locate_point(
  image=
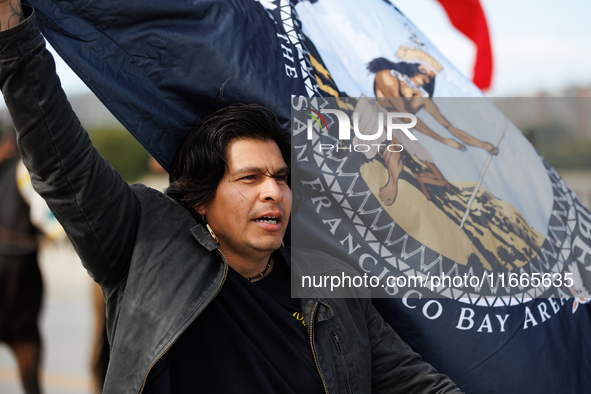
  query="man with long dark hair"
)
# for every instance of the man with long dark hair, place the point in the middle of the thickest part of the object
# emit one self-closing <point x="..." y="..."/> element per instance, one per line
<point x="197" y="282"/>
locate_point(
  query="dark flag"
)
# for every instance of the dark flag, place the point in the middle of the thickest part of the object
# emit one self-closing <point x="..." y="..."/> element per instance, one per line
<point x="161" y="65"/>
<point x="470" y="196"/>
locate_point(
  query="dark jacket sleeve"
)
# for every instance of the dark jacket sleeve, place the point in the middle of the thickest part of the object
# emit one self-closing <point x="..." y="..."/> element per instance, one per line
<point x="402" y="370"/>
<point x="97" y="209"/>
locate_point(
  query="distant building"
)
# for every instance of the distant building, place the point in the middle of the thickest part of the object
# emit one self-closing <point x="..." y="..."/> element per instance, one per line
<point x="570" y="109"/>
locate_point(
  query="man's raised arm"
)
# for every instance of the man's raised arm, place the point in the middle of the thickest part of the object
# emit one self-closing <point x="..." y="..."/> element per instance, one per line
<point x="11" y="14"/>
<point x="95" y="206"/>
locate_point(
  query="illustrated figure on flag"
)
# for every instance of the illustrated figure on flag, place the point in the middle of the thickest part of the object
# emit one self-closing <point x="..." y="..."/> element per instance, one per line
<point x="400" y="87"/>
<point x="451" y="198"/>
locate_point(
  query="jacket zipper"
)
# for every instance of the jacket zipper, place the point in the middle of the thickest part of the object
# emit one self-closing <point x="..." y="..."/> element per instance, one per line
<point x="168" y="348"/>
<point x="312" y="314"/>
<point x="338" y="343"/>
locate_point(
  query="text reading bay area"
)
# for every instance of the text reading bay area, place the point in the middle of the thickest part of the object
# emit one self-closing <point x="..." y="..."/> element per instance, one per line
<point x="366" y="137"/>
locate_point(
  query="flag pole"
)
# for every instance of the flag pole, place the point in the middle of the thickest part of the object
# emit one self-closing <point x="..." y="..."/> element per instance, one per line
<point x="477" y="187"/>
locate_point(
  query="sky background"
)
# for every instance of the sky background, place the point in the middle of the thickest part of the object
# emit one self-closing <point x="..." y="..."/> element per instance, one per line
<point x="538" y="45"/>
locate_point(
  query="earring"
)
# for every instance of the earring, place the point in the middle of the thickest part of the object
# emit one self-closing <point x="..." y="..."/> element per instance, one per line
<point x="209" y="229"/>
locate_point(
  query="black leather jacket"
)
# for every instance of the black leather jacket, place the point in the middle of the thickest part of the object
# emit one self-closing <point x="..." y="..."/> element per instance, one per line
<point x="157" y="266"/>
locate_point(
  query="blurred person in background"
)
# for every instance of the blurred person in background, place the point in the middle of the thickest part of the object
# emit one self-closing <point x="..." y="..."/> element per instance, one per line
<point x="21" y="287"/>
<point x="22" y="215"/>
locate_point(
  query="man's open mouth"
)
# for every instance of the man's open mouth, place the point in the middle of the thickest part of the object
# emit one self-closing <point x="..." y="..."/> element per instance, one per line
<point x="268" y="219"/>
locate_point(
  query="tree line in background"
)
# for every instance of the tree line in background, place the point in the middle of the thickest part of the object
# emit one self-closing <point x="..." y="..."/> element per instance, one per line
<point x="561" y="147"/>
<point x="123" y="151"/>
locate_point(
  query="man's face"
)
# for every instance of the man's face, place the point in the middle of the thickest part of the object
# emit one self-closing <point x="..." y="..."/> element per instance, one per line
<point x="250" y="210"/>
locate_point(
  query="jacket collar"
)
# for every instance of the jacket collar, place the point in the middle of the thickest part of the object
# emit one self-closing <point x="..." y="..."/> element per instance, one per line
<point x="204" y="238"/>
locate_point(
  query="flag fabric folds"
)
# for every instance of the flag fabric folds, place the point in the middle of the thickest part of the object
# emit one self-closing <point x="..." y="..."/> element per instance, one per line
<point x="160" y="66"/>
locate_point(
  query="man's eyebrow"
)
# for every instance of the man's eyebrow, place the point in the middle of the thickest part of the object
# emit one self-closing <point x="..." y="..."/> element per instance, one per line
<point x="252" y="170"/>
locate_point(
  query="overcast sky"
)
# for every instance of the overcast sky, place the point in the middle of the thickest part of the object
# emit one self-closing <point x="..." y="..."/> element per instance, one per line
<point x="537" y="44"/>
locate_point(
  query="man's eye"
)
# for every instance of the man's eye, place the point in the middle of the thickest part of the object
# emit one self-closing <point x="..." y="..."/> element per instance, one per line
<point x="249" y="177"/>
<point x="281" y="178"/>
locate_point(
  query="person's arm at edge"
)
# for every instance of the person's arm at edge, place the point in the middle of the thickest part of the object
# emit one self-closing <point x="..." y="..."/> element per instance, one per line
<point x="11" y="14"/>
<point x="95" y="206"/>
<point x="402" y="370"/>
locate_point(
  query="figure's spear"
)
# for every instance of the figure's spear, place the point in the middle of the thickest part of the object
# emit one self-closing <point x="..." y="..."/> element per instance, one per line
<point x="477" y="187"/>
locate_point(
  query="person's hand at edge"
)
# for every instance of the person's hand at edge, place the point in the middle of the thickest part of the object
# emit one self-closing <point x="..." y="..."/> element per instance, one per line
<point x="11" y="14"/>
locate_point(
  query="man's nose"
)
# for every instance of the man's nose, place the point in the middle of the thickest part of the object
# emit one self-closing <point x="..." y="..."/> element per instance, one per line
<point x="271" y="190"/>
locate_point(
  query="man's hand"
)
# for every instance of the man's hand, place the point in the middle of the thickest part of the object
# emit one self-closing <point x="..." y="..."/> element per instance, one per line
<point x="11" y="14"/>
